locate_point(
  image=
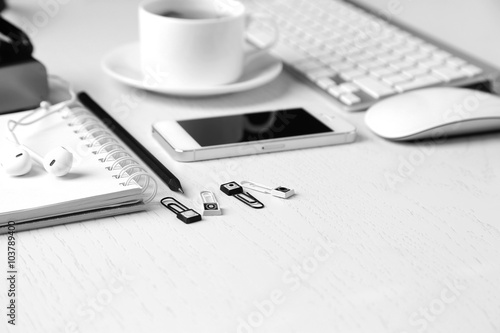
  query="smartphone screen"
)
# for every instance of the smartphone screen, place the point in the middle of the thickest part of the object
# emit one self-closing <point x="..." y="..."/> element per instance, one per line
<point x="253" y="127"/>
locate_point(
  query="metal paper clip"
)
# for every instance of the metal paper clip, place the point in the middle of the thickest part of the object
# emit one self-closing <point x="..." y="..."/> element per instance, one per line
<point x="280" y="191"/>
<point x="210" y="205"/>
<point x="183" y="213"/>
<point x="235" y="190"/>
<point x="249" y="200"/>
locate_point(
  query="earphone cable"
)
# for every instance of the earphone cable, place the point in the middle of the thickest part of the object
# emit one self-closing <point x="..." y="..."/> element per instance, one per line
<point x="12" y="124"/>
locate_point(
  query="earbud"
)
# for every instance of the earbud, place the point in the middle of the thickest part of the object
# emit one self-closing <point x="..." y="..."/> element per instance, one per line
<point x="57" y="162"/>
<point x="16" y="162"/>
<point x="19" y="160"/>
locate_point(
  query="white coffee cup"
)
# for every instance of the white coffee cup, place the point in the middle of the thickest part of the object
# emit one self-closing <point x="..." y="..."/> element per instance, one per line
<point x="203" y="47"/>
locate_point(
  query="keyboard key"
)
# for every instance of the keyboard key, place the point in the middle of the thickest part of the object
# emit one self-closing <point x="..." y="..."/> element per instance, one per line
<point x="417" y="56"/>
<point x="388" y="58"/>
<point x="349" y="99"/>
<point x="335" y="91"/>
<point x="373" y="87"/>
<point x="455" y="62"/>
<point x="349" y="51"/>
<point x="288" y="54"/>
<point x="305" y="44"/>
<point x="348" y="87"/>
<point x="404" y="50"/>
<point x="394" y="79"/>
<point x="289" y="41"/>
<point x="325" y="83"/>
<point x="427" y="48"/>
<point x="471" y="70"/>
<point x="384" y="71"/>
<point x="260" y="37"/>
<point x="351" y="74"/>
<point x="414" y="41"/>
<point x="302" y="36"/>
<point x="319" y="51"/>
<point x="439" y="54"/>
<point x="307" y="65"/>
<point x="364" y="44"/>
<point x="359" y="57"/>
<point x="392" y="43"/>
<point x="415" y="71"/>
<point x="419" y="82"/>
<point x="377" y="51"/>
<point x="402" y="65"/>
<point x="449" y="73"/>
<point x="319" y="73"/>
<point x="371" y="64"/>
<point x="342" y="66"/>
<point x="430" y="63"/>
<point x="330" y="58"/>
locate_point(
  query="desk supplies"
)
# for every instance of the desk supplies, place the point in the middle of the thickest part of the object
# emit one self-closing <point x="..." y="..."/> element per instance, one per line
<point x="104" y="180"/>
<point x="58" y="161"/>
<point x="357" y="66"/>
<point x="249" y="200"/>
<point x="434" y="113"/>
<point x="280" y="191"/>
<point x="233" y="189"/>
<point x="251" y="133"/>
<point x="158" y="168"/>
<point x="210" y="205"/>
<point x="186" y="215"/>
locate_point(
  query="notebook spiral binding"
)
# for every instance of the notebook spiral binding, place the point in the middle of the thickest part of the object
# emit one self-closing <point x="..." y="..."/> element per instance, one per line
<point x="102" y="143"/>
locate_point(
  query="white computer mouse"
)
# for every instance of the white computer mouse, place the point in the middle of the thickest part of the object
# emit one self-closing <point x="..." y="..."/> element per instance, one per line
<point x="434" y="113"/>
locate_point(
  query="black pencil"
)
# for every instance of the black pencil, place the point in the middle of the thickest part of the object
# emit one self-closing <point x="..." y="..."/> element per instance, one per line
<point x="155" y="165"/>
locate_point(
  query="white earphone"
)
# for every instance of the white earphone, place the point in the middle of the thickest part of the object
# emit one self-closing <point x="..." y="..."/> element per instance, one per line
<point x="19" y="161"/>
<point x="16" y="162"/>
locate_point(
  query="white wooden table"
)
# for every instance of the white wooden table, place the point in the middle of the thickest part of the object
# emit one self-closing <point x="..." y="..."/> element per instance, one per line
<point x="382" y="237"/>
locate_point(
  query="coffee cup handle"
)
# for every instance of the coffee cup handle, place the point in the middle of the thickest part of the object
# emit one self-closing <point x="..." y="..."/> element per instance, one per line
<point x="252" y="55"/>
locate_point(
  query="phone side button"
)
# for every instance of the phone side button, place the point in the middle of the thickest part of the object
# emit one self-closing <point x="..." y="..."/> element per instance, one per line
<point x="274" y="147"/>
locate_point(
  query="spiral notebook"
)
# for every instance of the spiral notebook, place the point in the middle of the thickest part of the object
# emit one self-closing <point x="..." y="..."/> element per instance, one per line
<point x="105" y="178"/>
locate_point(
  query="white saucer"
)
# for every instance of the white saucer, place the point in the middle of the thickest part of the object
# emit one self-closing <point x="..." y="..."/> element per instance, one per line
<point x="123" y="64"/>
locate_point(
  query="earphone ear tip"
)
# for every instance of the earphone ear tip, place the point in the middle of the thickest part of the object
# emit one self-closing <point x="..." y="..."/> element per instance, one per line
<point x="58" y="161"/>
<point x="17" y="163"/>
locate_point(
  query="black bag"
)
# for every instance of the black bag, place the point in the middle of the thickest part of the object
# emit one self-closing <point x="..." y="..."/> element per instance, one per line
<point x="23" y="79"/>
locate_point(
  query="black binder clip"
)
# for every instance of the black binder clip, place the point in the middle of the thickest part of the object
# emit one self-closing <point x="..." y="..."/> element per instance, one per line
<point x="183" y="213"/>
<point x="233" y="189"/>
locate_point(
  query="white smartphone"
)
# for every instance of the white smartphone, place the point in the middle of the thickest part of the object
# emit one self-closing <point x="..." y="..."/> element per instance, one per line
<point x="250" y="133"/>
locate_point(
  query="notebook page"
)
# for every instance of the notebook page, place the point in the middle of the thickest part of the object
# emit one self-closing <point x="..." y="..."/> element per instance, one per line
<point x="39" y="194"/>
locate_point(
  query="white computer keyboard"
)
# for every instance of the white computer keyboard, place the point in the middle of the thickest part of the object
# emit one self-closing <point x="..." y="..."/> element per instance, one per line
<point x="354" y="56"/>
